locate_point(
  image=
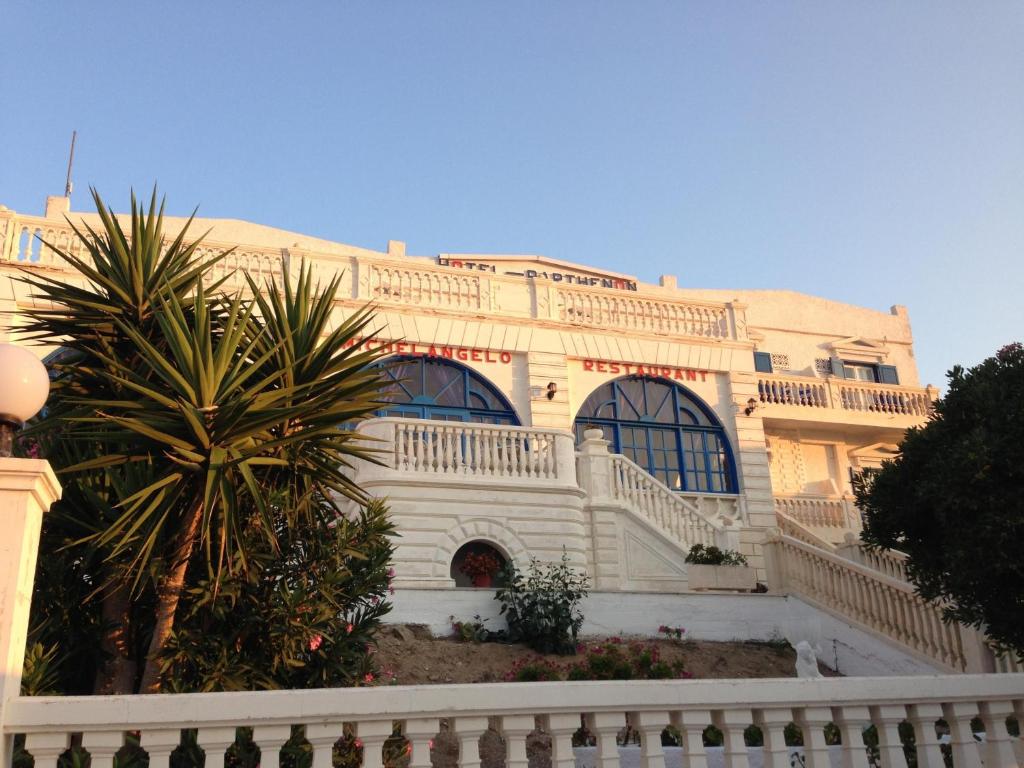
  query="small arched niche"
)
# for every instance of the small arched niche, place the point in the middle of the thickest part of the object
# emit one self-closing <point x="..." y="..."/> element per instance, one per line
<point x="478" y="564"/>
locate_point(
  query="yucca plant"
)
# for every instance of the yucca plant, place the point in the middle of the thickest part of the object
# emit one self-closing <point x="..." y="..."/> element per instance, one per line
<point x="196" y="407"/>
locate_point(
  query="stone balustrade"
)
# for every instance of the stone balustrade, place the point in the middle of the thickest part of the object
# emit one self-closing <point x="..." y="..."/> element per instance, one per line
<point x="417" y="282"/>
<point x="688" y="518"/>
<point x="869" y="598"/>
<point x="820" y="511"/>
<point x="806" y="393"/>
<point x="888" y="561"/>
<point x="447" y="450"/>
<point x="535" y="723"/>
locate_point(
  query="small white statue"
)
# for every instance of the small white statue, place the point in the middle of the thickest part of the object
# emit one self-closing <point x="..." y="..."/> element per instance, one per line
<point x="806" y="661"/>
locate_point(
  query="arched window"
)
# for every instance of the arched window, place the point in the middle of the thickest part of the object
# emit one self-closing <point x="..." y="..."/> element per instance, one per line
<point x="665" y="429"/>
<point x="435" y="388"/>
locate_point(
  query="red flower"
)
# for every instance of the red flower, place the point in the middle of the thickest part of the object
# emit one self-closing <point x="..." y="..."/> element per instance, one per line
<point x="368" y="678"/>
<point x="315" y="642"/>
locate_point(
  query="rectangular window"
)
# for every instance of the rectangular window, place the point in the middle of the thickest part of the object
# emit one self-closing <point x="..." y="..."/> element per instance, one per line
<point x="763" y="362"/>
<point x="887" y="374"/>
<point x="860" y="371"/>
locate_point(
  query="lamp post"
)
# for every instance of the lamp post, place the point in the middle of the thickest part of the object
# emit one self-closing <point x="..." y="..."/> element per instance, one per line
<point x="24" y="386"/>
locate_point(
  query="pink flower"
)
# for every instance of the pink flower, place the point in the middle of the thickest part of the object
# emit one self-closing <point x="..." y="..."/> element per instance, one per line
<point x="349" y="628"/>
<point x="391" y="573"/>
<point x="358" y="743"/>
<point x="368" y="678"/>
<point x="315" y="642"/>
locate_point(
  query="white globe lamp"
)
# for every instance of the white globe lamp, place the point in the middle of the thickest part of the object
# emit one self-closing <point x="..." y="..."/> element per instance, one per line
<point x="24" y="386"/>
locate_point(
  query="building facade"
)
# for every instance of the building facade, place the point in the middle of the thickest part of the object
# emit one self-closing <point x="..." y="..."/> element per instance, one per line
<point x="539" y="406"/>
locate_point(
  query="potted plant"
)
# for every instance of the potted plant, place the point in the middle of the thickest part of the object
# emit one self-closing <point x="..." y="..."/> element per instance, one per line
<point x="714" y="568"/>
<point x="480" y="567"/>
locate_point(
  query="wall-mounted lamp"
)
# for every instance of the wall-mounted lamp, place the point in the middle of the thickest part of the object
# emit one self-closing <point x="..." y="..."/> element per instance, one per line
<point x="751" y="406"/>
<point x="24" y="386"/>
<point x="552" y="389"/>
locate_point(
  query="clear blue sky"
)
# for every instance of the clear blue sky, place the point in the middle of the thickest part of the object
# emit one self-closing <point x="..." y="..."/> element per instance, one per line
<point x="870" y="152"/>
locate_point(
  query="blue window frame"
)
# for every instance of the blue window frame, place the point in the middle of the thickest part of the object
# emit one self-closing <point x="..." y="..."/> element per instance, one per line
<point x="421" y="387"/>
<point x="665" y="429"/>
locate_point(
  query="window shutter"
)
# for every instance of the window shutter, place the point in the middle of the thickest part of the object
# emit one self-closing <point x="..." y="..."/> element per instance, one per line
<point x="837" y="368"/>
<point x="887" y="374"/>
<point x="763" y="362"/>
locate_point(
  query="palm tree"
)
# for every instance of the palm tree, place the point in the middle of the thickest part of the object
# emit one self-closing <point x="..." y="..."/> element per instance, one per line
<point x="195" y="406"/>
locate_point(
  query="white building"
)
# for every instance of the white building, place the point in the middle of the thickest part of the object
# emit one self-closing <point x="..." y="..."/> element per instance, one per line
<point x="541" y="407"/>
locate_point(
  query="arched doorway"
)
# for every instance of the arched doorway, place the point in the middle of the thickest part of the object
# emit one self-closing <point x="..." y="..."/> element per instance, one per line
<point x="422" y="387"/>
<point x="478" y="564"/>
<point x="665" y="429"/>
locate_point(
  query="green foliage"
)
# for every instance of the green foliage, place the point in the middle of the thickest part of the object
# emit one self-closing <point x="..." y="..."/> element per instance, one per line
<point x="701" y="555"/>
<point x="471" y="631"/>
<point x="616" y="660"/>
<point x="301" y="617"/>
<point x="542" y="605"/>
<point x="193" y="431"/>
<point x="533" y="670"/>
<point x="952" y="499"/>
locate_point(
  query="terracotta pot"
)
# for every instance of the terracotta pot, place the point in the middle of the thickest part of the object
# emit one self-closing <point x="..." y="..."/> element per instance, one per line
<point x="483" y="580"/>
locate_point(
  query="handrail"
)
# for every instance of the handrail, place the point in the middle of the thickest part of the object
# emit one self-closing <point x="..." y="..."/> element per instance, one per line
<point x="845" y="394"/>
<point x="868" y="597"/>
<point x="820" y="511"/>
<point x="656" y="502"/>
<point x="511" y="709"/>
<point x="793" y="527"/>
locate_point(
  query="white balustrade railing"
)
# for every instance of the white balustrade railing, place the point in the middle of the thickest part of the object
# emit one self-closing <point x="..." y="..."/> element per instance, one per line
<point x="820" y="511"/>
<point x="617" y="309"/>
<point x="449" y="450"/>
<point x="845" y="395"/>
<point x="536" y="723"/>
<point x="867" y="597"/>
<point x="419" y="283"/>
<point x="798" y="530"/>
<point x="687" y="518"/>
<point x="430" y="287"/>
<point x="890" y="562"/>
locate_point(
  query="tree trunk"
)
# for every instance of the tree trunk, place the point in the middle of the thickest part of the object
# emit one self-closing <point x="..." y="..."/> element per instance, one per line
<point x="117" y="674"/>
<point x="168" y="594"/>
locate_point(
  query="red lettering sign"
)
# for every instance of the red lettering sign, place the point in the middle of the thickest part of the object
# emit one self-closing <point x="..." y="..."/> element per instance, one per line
<point x="668" y="372"/>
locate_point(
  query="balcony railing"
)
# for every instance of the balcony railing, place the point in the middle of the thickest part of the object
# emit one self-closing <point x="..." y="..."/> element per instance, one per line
<point x="844" y="395"/>
<point x="820" y="512"/>
<point x="418" y="283"/>
<point x="448" y="451"/>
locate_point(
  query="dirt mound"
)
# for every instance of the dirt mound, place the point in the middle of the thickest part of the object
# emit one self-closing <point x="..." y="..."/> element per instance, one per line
<point x="410" y="655"/>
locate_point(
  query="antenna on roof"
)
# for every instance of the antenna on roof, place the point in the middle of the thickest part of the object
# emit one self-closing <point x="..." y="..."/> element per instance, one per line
<point x="71" y="159"/>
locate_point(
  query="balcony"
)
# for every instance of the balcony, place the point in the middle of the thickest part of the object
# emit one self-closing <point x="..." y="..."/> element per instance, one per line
<point x="843" y="401"/>
<point x="420" y="284"/>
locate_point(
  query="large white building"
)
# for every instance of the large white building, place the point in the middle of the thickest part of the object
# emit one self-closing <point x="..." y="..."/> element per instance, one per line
<point x="542" y="405"/>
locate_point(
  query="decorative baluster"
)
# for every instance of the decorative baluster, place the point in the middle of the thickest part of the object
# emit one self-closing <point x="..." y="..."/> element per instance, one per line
<point x="158" y="743"/>
<point x="812" y="721"/>
<point x="270" y="739"/>
<point x="561" y="726"/>
<point x="515" y="729"/>
<point x="851" y="722"/>
<point x="373" y="734"/>
<point x="650" y="725"/>
<point x="961" y="737"/>
<point x="495" y="464"/>
<point x="732" y="723"/>
<point x="923" y="717"/>
<point x="772" y="723"/>
<point x="214" y="742"/>
<point x="469" y="730"/>
<point x="450" y="437"/>
<point x="458" y="461"/>
<point x="887" y="721"/>
<point x="606" y="726"/>
<point x="46" y="748"/>
<point x="420" y="732"/>
<point x="692" y="723"/>
<point x="322" y="737"/>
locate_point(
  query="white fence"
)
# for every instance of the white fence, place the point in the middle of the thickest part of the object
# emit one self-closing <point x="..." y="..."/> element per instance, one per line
<point x="516" y="710"/>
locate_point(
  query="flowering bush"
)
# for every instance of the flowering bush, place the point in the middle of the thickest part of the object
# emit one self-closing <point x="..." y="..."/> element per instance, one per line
<point x="533" y="670"/>
<point x="470" y="631"/>
<point x="615" y="660"/>
<point x="476" y="564"/>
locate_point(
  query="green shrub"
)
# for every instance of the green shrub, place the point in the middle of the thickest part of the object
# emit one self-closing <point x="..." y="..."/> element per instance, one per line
<point x="542" y="605"/>
<point x="701" y="555"/>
